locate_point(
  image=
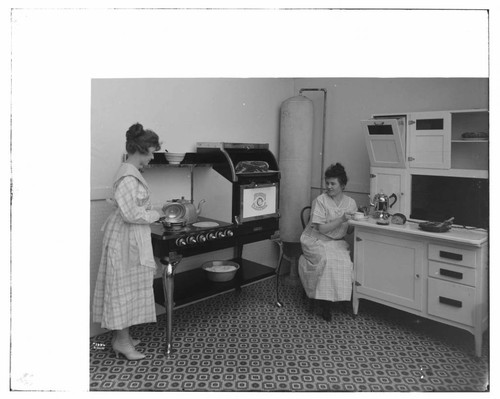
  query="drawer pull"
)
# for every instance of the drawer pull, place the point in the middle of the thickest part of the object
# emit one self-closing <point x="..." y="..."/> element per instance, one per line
<point x="450" y="255"/>
<point x="451" y="273"/>
<point x="451" y="302"/>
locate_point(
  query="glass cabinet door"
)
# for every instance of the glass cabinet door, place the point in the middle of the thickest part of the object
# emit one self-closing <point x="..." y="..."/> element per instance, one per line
<point x="384" y="142"/>
<point x="429" y="140"/>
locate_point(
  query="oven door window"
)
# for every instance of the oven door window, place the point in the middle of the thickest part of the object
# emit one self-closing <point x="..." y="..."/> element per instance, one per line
<point x="259" y="201"/>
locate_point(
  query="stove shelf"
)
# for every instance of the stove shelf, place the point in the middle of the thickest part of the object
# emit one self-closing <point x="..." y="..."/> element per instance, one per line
<point x="193" y="286"/>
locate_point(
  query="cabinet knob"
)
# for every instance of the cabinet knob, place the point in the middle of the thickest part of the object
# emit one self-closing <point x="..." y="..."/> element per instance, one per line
<point x="411" y="159"/>
<point x="417" y="276"/>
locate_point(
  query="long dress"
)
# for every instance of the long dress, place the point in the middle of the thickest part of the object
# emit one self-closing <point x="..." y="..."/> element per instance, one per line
<point x="325" y="268"/>
<point x="123" y="293"/>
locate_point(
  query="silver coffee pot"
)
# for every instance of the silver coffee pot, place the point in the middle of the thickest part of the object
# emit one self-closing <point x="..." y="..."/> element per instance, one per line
<point x="381" y="204"/>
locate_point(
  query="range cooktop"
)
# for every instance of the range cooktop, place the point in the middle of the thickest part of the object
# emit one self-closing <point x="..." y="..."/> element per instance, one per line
<point x="205" y="229"/>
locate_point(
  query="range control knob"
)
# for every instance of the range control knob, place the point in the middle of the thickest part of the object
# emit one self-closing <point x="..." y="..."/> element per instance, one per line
<point x="201" y="238"/>
<point x="221" y="234"/>
<point x="229" y="233"/>
<point x="180" y="242"/>
<point x="191" y="240"/>
<point x="211" y="236"/>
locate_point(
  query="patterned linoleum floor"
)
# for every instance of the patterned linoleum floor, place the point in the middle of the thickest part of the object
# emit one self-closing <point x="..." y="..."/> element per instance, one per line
<point x="243" y="342"/>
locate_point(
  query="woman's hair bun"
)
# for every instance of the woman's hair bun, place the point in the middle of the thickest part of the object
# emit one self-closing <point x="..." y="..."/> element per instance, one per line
<point x="141" y="140"/>
<point x="134" y="131"/>
<point x="338" y="168"/>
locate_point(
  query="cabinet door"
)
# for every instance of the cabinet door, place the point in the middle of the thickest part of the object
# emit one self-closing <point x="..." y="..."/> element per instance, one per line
<point x="389" y="268"/>
<point x="390" y="181"/>
<point x="429" y="140"/>
<point x="384" y="142"/>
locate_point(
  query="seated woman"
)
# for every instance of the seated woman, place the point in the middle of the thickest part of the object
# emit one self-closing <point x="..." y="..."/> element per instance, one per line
<point x="325" y="269"/>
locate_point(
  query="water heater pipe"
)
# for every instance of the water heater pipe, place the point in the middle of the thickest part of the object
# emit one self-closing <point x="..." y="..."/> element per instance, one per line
<point x="324" y="130"/>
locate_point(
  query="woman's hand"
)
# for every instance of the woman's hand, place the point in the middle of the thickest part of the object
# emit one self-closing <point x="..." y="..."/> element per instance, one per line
<point x="348" y="216"/>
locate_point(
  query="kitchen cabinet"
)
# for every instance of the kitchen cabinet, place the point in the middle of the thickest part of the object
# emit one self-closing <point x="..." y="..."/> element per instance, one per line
<point x="428" y="140"/>
<point x="385" y="139"/>
<point x="390" y="269"/>
<point x="390" y="181"/>
<point x="403" y="145"/>
<point x="438" y="276"/>
<point x="469" y="154"/>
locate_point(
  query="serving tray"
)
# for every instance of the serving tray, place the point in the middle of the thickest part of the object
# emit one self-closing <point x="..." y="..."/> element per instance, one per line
<point x="434" y="227"/>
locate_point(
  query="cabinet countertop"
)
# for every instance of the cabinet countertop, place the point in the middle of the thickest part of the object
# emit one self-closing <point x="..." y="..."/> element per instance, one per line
<point x="455" y="234"/>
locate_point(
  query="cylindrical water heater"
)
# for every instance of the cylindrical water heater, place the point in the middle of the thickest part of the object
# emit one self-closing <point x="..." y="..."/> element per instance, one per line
<point x="295" y="161"/>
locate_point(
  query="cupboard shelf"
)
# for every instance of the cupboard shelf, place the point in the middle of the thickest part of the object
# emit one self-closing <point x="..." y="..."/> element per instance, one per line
<point x="470" y="141"/>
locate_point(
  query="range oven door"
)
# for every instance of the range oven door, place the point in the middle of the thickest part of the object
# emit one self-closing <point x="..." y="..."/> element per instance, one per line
<point x="257" y="202"/>
<point x="385" y="141"/>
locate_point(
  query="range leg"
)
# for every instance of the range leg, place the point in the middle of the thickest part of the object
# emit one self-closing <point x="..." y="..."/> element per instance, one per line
<point x="168" y="292"/>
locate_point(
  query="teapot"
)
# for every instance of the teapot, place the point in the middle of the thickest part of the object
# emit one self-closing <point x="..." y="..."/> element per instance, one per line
<point x="381" y="204"/>
<point x="182" y="209"/>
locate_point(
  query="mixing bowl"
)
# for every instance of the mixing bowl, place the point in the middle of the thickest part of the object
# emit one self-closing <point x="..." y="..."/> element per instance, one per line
<point x="175" y="158"/>
<point x="220" y="270"/>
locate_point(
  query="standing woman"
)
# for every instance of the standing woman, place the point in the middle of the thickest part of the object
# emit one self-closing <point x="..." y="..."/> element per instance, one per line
<point x="325" y="268"/>
<point x="124" y="288"/>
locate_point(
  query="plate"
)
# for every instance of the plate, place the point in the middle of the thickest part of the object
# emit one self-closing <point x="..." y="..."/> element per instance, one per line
<point x="205" y="224"/>
<point x="474" y="138"/>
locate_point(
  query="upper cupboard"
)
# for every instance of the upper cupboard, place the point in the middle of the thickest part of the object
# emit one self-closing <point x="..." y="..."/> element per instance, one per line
<point x="453" y="143"/>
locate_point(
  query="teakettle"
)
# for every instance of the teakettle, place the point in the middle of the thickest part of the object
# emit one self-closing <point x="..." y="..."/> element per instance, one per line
<point x="182" y="208"/>
<point x="381" y="204"/>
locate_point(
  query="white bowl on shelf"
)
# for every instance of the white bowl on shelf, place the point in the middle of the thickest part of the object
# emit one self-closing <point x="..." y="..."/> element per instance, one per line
<point x="174" y="158"/>
<point x="220" y="270"/>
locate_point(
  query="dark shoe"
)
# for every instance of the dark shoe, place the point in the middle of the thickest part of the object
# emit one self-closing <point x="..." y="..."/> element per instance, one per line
<point x="326" y="310"/>
<point x="326" y="315"/>
<point x="346" y="307"/>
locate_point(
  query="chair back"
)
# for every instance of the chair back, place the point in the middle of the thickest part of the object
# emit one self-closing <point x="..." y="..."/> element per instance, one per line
<point x="305" y="215"/>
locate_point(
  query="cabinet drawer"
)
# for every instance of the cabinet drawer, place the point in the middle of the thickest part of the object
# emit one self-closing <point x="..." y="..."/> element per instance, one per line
<point x="455" y="274"/>
<point x="458" y="256"/>
<point x="451" y="301"/>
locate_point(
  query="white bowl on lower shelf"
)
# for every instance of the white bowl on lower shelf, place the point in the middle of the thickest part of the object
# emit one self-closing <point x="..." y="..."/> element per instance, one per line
<point x="220" y="270"/>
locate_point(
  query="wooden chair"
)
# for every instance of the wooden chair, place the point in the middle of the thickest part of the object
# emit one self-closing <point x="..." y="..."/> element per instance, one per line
<point x="305" y="211"/>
